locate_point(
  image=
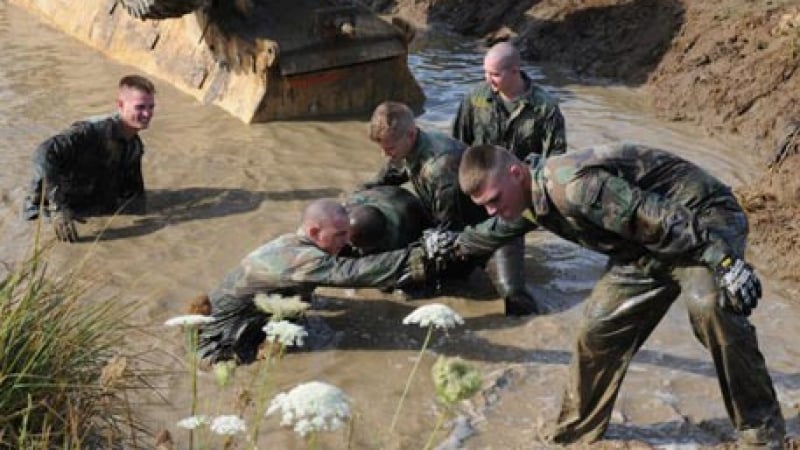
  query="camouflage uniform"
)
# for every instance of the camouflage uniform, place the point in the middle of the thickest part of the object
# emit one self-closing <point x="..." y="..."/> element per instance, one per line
<point x="405" y="215"/>
<point x="535" y="126"/>
<point x="90" y="167"/>
<point x="664" y="222"/>
<point x="288" y="265"/>
<point x="432" y="168"/>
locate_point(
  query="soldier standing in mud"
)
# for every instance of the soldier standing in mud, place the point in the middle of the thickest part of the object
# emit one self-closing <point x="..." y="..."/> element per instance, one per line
<point x="294" y="265"/>
<point x="385" y="218"/>
<point x="508" y="109"/>
<point x="668" y="228"/>
<point x="95" y="166"/>
<point x="430" y="161"/>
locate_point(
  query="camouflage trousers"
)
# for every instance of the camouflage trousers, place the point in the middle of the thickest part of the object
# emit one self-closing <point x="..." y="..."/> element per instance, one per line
<point x="624" y="308"/>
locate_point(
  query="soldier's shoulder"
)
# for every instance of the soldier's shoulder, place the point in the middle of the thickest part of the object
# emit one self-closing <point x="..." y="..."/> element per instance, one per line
<point x="479" y="95"/>
<point x="541" y="97"/>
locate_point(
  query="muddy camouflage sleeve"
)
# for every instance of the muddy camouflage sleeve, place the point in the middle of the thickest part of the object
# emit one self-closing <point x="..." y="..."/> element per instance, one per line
<point x="54" y="158"/>
<point x="554" y="136"/>
<point x="483" y="239"/>
<point x="309" y="266"/>
<point x="389" y="175"/>
<point x="463" y="123"/>
<point x="669" y="230"/>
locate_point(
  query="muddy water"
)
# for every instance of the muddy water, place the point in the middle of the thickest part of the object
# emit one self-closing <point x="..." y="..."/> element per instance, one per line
<point x="218" y="188"/>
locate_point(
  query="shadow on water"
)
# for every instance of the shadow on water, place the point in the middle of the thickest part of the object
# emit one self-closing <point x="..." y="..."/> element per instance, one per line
<point x="373" y="324"/>
<point x="173" y="206"/>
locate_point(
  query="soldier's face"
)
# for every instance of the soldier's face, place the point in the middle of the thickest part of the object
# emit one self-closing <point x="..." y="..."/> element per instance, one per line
<point x="503" y="194"/>
<point x="499" y="76"/>
<point x="332" y="236"/>
<point x="135" y="108"/>
<point x="396" y="149"/>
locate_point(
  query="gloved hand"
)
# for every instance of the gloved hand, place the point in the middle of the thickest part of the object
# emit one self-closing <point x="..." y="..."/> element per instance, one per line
<point x="64" y="225"/>
<point x="740" y="283"/>
<point x="440" y="246"/>
<point x="415" y="269"/>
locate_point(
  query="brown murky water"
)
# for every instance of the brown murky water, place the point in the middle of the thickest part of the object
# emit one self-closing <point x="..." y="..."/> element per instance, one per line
<point x="218" y="188"/>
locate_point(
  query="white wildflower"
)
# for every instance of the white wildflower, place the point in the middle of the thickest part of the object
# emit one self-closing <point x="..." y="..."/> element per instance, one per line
<point x="189" y="320"/>
<point x="228" y="425"/>
<point x="192" y="422"/>
<point x="313" y="406"/>
<point x="281" y="307"/>
<point x="286" y="333"/>
<point x="436" y="314"/>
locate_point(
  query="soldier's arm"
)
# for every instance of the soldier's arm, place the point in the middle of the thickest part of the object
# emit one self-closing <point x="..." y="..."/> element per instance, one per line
<point x="381" y="269"/>
<point x="389" y="175"/>
<point x="54" y="158"/>
<point x="446" y="201"/>
<point x="666" y="228"/>
<point x="554" y="135"/>
<point x="132" y="194"/>
<point x="462" y="128"/>
<point x="483" y="239"/>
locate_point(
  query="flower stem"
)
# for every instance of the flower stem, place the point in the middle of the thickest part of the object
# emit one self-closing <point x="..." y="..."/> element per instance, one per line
<point x="261" y="399"/>
<point x="410" y="378"/>
<point x="193" y="338"/>
<point x="439" y="422"/>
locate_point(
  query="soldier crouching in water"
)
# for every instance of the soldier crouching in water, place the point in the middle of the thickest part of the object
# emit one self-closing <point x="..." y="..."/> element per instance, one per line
<point x="295" y="264"/>
<point x="669" y="228"/>
<point x="95" y="166"/>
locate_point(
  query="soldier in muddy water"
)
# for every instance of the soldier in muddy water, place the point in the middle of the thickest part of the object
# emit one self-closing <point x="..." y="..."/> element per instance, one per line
<point x="295" y="264"/>
<point x="95" y="166"/>
<point x="508" y="109"/>
<point x="429" y="160"/>
<point x="669" y="228"/>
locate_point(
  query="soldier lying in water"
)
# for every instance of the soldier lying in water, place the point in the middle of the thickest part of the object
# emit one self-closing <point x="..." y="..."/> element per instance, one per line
<point x="295" y="264"/>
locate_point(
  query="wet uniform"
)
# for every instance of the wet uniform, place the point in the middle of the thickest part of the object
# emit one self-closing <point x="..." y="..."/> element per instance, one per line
<point x="405" y="215"/>
<point x="432" y="168"/>
<point x="89" y="168"/>
<point x="531" y="124"/>
<point x="289" y="265"/>
<point x="664" y="222"/>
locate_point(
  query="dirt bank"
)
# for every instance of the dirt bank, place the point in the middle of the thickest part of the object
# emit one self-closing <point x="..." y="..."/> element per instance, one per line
<point x="729" y="66"/>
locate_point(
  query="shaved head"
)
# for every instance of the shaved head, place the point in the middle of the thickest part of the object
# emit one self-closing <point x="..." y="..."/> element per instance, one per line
<point x="322" y="211"/>
<point x="504" y="55"/>
<point x="325" y="222"/>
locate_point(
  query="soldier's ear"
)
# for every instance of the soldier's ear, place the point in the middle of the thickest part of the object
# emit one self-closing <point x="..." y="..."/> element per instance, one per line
<point x="515" y="172"/>
<point x="314" y="232"/>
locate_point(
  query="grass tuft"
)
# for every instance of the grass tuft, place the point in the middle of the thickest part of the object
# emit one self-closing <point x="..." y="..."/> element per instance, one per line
<point x="63" y="380"/>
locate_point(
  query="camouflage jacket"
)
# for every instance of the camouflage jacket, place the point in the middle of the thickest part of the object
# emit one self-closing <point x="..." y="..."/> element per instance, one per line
<point x="90" y="165"/>
<point x="628" y="201"/>
<point x="432" y="168"/>
<point x="292" y="265"/>
<point x="406" y="217"/>
<point x="535" y="126"/>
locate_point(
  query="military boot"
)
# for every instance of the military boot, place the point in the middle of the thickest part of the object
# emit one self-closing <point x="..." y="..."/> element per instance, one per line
<point x="509" y="262"/>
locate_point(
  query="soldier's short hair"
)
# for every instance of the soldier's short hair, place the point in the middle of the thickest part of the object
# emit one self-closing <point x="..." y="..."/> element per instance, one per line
<point x="481" y="162"/>
<point x="367" y="227"/>
<point x="137" y="82"/>
<point x="390" y="120"/>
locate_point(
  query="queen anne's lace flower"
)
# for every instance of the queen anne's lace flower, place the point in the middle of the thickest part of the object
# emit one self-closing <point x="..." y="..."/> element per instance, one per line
<point x="436" y="314"/>
<point x="280" y="307"/>
<point x="285" y="333"/>
<point x="189" y="320"/>
<point x="454" y="380"/>
<point x="313" y="406"/>
<point x="228" y="425"/>
<point x="192" y="422"/>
